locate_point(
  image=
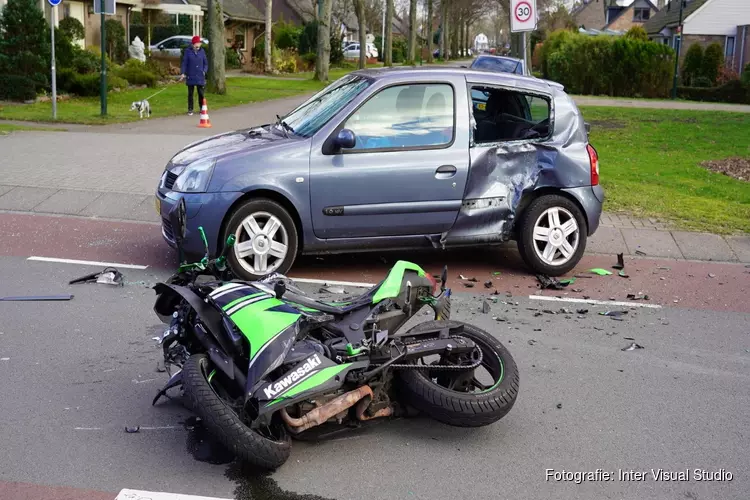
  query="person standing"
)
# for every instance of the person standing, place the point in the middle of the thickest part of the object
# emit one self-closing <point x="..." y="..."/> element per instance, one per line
<point x="194" y="68"/>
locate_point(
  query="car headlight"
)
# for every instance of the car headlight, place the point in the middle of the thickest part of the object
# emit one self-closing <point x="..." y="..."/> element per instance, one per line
<point x="195" y="177"/>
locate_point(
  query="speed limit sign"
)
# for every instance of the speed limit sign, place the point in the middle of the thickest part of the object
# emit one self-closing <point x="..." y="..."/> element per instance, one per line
<point x="522" y="15"/>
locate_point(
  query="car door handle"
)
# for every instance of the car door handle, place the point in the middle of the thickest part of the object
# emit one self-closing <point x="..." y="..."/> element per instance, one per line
<point x="445" y="172"/>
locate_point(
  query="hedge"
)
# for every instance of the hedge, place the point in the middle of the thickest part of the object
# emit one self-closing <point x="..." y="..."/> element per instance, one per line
<point x="734" y="92"/>
<point x="17" y="88"/>
<point x="605" y="65"/>
<point x="88" y="85"/>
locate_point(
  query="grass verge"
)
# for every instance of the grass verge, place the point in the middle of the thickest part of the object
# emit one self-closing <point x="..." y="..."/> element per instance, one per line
<point x="172" y="101"/>
<point x="650" y="165"/>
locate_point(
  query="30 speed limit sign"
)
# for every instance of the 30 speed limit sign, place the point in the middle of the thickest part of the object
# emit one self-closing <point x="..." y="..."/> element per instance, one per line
<point x="523" y="15"/>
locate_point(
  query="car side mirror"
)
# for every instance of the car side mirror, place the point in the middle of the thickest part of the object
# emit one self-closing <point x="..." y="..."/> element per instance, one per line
<point x="346" y="139"/>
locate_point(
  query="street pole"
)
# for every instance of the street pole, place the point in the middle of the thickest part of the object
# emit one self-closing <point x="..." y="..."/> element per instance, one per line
<point x="54" y="77"/>
<point x="523" y="42"/>
<point x="677" y="55"/>
<point x="382" y="36"/>
<point x="103" y="83"/>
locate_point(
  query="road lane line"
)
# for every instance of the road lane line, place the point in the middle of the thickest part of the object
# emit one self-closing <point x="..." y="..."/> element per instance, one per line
<point x="594" y="302"/>
<point x="127" y="494"/>
<point x="333" y="282"/>
<point x="87" y="262"/>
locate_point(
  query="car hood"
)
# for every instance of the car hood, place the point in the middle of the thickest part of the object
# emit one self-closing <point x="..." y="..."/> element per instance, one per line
<point x="226" y="144"/>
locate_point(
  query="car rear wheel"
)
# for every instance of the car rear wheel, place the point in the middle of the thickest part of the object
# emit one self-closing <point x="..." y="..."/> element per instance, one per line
<point x="266" y="240"/>
<point x="553" y="233"/>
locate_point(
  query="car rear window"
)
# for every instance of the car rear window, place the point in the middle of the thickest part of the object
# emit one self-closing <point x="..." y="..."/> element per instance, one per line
<point x="497" y="64"/>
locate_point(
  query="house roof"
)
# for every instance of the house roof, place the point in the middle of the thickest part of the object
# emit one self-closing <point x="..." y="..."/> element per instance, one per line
<point x="670" y="15"/>
<point x="236" y="10"/>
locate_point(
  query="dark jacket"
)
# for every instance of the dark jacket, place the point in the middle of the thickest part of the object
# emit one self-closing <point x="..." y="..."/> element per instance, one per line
<point x="194" y="66"/>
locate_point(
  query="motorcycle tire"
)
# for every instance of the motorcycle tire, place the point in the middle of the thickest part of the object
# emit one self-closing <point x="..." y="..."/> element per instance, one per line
<point x="224" y="423"/>
<point x="463" y="409"/>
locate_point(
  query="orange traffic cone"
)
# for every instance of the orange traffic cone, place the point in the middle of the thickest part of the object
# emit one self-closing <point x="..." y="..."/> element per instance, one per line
<point x="205" y="122"/>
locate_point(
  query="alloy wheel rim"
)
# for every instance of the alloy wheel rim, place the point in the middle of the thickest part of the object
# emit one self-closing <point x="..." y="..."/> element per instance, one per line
<point x="556" y="236"/>
<point x="262" y="243"/>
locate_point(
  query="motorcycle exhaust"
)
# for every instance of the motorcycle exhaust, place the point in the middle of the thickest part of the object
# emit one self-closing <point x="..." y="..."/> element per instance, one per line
<point x="321" y="414"/>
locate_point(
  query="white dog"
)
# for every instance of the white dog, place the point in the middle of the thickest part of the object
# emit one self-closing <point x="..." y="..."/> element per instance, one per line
<point x="142" y="107"/>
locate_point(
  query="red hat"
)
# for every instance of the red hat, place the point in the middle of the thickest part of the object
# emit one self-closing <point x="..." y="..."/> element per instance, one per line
<point x="196" y="39"/>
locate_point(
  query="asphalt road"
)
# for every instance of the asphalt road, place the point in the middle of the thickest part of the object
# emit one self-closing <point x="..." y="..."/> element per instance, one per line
<point x="78" y="372"/>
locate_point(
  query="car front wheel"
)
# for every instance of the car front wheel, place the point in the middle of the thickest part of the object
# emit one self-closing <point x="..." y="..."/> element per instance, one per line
<point x="553" y="234"/>
<point x="266" y="240"/>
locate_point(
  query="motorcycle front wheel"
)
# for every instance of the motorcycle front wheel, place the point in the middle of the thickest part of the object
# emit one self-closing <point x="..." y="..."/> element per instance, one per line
<point x="459" y="397"/>
<point x="268" y="448"/>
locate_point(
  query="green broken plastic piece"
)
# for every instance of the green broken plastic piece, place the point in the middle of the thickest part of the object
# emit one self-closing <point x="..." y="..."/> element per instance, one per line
<point x="600" y="271"/>
<point x="351" y="351"/>
<point x="568" y="281"/>
<point x="497" y="273"/>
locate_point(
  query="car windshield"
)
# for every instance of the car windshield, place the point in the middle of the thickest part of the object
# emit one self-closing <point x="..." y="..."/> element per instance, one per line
<point x="497" y="64"/>
<point x="315" y="113"/>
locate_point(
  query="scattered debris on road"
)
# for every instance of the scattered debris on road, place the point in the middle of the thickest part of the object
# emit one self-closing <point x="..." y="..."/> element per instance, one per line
<point x="469" y="285"/>
<point x="711" y="275"/>
<point x="488" y="284"/>
<point x="582" y="311"/>
<point x="623" y="274"/>
<point x="620" y="262"/>
<point x="600" y="271"/>
<point x="532" y="342"/>
<point x="632" y="347"/>
<point x="32" y="298"/>
<point x="633" y="296"/>
<point x="546" y="282"/>
<point x="614" y="314"/>
<point x="485" y="307"/>
<point x="133" y="430"/>
<point x="641" y="253"/>
<point x="108" y="276"/>
<point x="559" y="406"/>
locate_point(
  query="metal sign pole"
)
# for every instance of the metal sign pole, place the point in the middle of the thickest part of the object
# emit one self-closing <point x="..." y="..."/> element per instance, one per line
<point x="103" y="83"/>
<point x="54" y="77"/>
<point x="525" y="61"/>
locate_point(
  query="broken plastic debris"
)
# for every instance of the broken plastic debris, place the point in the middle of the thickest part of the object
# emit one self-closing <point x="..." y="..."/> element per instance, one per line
<point x="623" y="274"/>
<point x="462" y="277"/>
<point x="711" y="275"/>
<point x="488" y="284"/>
<point x="633" y="296"/>
<point x="620" y="262"/>
<point x="577" y="290"/>
<point x="632" y="347"/>
<point x="582" y="311"/>
<point x="4" y="359"/>
<point x="496" y="273"/>
<point x="532" y="342"/>
<point x="485" y="307"/>
<point x="332" y="289"/>
<point x="639" y="252"/>
<point x="600" y="271"/>
<point x="546" y="282"/>
<point x="559" y="405"/>
<point x="469" y="285"/>
<point x="133" y="430"/>
<point x="568" y="281"/>
<point x="160" y="367"/>
<point x="614" y="314"/>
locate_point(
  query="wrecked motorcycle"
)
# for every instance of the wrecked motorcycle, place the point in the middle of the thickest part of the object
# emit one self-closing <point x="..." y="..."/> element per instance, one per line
<point x="262" y="361"/>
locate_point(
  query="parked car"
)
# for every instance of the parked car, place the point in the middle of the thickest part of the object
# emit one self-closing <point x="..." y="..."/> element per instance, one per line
<point x="500" y="63"/>
<point x="351" y="51"/>
<point x="173" y="45"/>
<point x="396" y="159"/>
<point x="461" y="53"/>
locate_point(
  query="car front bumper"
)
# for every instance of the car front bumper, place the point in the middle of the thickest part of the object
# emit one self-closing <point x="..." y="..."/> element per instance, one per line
<point x="205" y="210"/>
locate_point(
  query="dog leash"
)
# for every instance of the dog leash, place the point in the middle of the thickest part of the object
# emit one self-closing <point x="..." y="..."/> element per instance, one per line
<point x="152" y="95"/>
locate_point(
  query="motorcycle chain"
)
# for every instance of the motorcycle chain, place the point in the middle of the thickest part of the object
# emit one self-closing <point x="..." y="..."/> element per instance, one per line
<point x="406" y="366"/>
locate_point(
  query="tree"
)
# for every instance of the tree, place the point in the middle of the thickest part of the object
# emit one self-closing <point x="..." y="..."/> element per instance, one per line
<point x="24" y="44"/>
<point x="412" y="50"/>
<point x="72" y="28"/>
<point x="692" y="67"/>
<point x="269" y="43"/>
<point x="322" y="62"/>
<point x="388" y="44"/>
<point x="117" y="47"/>
<point x="359" y="7"/>
<point x="430" y="17"/>
<point x="713" y="59"/>
<point x="637" y="33"/>
<point x="216" y="81"/>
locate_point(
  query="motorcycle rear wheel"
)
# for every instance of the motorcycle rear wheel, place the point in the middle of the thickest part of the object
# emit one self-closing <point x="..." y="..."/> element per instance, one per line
<point x="427" y="391"/>
<point x="225" y="424"/>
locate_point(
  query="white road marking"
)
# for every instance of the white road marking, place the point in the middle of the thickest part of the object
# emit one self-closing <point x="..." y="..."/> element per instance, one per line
<point x="87" y="262"/>
<point x="140" y="428"/>
<point x="595" y="302"/>
<point x="333" y="282"/>
<point x="126" y="494"/>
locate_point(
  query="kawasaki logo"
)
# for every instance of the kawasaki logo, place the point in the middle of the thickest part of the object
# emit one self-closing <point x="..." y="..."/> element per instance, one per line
<point x="282" y="384"/>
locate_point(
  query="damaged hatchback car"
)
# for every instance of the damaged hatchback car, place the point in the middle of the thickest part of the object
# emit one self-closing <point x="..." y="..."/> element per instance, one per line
<point x="396" y="159"/>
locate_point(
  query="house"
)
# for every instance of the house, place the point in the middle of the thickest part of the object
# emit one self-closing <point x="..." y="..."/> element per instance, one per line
<point x="300" y="12"/>
<point x="726" y="22"/>
<point x="613" y="15"/>
<point x="481" y="43"/>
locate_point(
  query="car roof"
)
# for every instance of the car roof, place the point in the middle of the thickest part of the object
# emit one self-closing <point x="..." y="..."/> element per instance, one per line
<point x="472" y="76"/>
<point x="491" y="56"/>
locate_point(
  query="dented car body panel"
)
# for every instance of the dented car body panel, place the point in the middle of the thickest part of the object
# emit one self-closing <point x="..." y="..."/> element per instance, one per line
<point x="454" y="191"/>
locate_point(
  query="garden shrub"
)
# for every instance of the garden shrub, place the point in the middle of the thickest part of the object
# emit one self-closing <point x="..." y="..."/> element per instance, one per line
<point x="692" y="66"/>
<point x="286" y="35"/>
<point x="17" y="88"/>
<point x="88" y="85"/>
<point x="713" y="59"/>
<point x="135" y="72"/>
<point x="732" y="92"/>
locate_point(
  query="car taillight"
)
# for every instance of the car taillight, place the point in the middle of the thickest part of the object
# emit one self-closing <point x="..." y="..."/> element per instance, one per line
<point x="594" y="161"/>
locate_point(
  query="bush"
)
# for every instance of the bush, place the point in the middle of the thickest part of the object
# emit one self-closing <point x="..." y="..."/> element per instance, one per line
<point x="157" y="68"/>
<point x="308" y="39"/>
<point x="284" y="61"/>
<point x="88" y="85"/>
<point x="603" y="65"/>
<point x="286" y="35"/>
<point x="399" y="50"/>
<point x="117" y="45"/>
<point x="72" y="29"/>
<point x="232" y="60"/>
<point x="637" y="33"/>
<point x="65" y="78"/>
<point x="713" y="59"/>
<point x="692" y="67"/>
<point x="17" y="88"/>
<point x="135" y="72"/>
<point x="337" y="51"/>
<point x="85" y="61"/>
<point x="24" y="45"/>
<point x="746" y="75"/>
<point x="733" y="92"/>
<point x="310" y="58"/>
<point x="702" y="82"/>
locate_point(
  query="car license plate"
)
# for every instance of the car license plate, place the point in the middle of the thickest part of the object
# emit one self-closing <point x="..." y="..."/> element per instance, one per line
<point x="157" y="203"/>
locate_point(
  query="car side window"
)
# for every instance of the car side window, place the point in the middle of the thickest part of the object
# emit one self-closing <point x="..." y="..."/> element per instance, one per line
<point x="405" y="116"/>
<point x="505" y="115"/>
